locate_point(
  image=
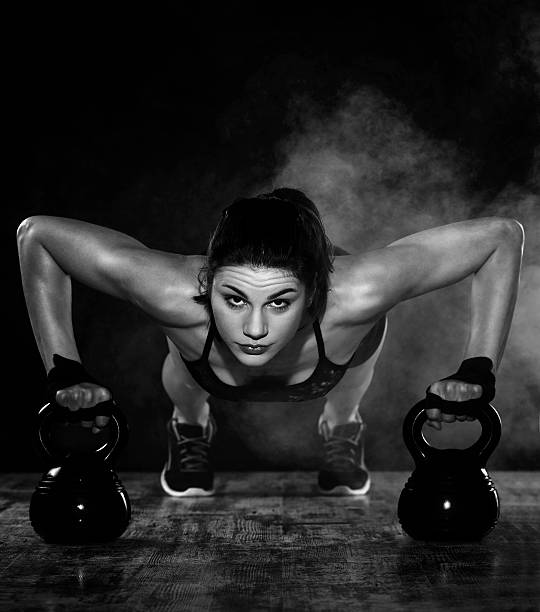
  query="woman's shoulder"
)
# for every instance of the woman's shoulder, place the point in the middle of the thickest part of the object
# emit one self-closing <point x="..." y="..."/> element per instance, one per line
<point x="171" y="282"/>
<point x="354" y="297"/>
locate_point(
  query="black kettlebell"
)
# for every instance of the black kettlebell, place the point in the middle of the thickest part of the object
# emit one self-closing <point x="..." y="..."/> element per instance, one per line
<point x="450" y="496"/>
<point x="80" y="498"/>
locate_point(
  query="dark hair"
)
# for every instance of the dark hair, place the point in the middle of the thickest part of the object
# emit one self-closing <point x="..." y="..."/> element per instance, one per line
<point x="282" y="229"/>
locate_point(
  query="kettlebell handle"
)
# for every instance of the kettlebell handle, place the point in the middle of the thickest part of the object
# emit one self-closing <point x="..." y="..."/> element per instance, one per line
<point x="422" y="451"/>
<point x="107" y="452"/>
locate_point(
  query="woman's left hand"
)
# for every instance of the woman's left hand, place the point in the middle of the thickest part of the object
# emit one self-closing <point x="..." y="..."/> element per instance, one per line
<point x="452" y="391"/>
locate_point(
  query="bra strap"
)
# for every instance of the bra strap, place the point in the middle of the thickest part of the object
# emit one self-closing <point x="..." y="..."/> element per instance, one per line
<point x="320" y="341"/>
<point x="209" y="339"/>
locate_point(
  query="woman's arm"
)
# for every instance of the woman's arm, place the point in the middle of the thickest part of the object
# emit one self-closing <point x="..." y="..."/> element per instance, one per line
<point x="491" y="250"/>
<point x="54" y="250"/>
<point x="51" y="251"/>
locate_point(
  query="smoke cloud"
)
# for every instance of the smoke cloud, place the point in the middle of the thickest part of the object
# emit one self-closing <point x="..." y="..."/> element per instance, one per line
<point x="373" y="174"/>
<point x="375" y="177"/>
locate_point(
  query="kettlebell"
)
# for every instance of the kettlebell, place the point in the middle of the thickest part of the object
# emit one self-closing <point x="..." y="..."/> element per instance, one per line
<point x="449" y="495"/>
<point x="80" y="498"/>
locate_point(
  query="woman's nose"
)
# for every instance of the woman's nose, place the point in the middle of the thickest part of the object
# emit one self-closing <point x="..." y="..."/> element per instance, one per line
<point x="255" y="327"/>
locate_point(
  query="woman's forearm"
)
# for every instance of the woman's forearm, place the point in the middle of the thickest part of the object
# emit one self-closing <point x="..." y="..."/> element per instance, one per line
<point x="493" y="297"/>
<point x="47" y="291"/>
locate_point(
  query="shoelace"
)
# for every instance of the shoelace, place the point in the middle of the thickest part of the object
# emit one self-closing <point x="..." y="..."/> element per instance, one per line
<point x="193" y="453"/>
<point x="340" y="454"/>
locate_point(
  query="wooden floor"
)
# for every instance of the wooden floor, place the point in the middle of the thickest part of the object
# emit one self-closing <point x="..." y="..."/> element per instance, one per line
<point x="267" y="541"/>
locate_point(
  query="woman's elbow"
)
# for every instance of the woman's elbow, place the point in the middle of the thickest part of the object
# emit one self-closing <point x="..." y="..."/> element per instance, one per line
<point x="510" y="231"/>
<point x="29" y="228"/>
<point x="30" y="232"/>
<point x="26" y="228"/>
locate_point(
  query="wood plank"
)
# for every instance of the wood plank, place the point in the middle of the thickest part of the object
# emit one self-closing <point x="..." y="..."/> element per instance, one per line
<point x="269" y="541"/>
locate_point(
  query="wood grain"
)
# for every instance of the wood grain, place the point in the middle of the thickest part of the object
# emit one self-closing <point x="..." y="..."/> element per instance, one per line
<point x="268" y="541"/>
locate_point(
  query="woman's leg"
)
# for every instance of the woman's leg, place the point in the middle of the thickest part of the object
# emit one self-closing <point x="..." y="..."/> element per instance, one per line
<point x="343" y="401"/>
<point x="188" y="470"/>
<point x="344" y="471"/>
<point x="189" y="399"/>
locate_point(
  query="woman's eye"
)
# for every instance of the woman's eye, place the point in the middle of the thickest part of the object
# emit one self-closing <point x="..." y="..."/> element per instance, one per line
<point x="281" y="304"/>
<point x="238" y="304"/>
<point x="234" y="301"/>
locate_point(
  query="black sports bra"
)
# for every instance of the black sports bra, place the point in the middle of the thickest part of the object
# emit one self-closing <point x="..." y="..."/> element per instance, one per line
<point x="325" y="376"/>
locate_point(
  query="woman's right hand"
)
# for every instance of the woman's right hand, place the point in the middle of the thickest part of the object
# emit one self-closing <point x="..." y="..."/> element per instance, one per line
<point x="82" y="396"/>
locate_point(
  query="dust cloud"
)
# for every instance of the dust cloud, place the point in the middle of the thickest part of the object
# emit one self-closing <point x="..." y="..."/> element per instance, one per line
<point x="375" y="177"/>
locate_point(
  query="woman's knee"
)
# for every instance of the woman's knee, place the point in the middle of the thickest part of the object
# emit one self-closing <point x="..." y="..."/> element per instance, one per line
<point x="179" y="384"/>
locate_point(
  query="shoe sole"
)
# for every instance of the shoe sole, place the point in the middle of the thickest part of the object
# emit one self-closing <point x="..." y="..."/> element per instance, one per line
<point x="191" y="492"/>
<point x="345" y="490"/>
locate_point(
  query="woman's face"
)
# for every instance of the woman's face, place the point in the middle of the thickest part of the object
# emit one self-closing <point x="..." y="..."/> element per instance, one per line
<point x="257" y="307"/>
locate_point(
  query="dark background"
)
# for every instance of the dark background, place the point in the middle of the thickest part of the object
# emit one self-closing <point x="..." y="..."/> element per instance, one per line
<point x="150" y="119"/>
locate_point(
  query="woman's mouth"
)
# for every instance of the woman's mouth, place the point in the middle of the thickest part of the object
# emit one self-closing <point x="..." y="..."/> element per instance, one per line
<point x="253" y="349"/>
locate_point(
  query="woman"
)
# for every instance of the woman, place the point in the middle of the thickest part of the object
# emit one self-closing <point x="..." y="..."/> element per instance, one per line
<point x="272" y="313"/>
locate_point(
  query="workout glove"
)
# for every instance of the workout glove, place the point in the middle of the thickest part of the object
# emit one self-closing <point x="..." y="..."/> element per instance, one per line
<point x="475" y="371"/>
<point x="67" y="373"/>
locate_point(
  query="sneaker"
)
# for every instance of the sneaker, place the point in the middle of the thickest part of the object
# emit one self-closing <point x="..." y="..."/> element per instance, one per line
<point x="344" y="471"/>
<point x="188" y="471"/>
